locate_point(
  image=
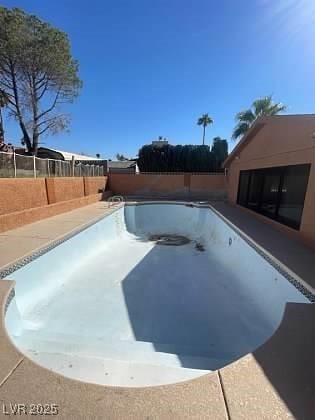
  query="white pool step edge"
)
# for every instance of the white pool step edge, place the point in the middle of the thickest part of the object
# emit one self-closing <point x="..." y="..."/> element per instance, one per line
<point x="133" y="351"/>
<point x="103" y="371"/>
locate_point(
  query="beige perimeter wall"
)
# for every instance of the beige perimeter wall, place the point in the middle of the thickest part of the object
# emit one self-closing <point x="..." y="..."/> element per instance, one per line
<point x="181" y="185"/>
<point x="26" y="200"/>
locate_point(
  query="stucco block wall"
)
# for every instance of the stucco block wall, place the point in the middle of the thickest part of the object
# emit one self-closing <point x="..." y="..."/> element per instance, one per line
<point x="93" y="185"/>
<point x="168" y="185"/>
<point x="18" y="194"/>
<point x="21" y="218"/>
<point x="284" y="140"/>
<point x="211" y="182"/>
<point x="61" y="189"/>
<point x="145" y="183"/>
<point x="26" y="200"/>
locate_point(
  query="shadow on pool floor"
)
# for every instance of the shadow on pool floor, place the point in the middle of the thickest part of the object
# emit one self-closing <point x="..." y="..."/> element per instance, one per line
<point x="186" y="303"/>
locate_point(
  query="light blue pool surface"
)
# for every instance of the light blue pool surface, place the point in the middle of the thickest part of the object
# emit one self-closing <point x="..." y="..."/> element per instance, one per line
<point x="110" y="306"/>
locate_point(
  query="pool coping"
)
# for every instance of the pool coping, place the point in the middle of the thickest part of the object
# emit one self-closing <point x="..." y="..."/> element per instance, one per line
<point x="196" y="386"/>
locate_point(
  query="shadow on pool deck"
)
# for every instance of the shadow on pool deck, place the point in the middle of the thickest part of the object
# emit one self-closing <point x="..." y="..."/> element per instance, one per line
<point x="281" y="372"/>
<point x="287" y="360"/>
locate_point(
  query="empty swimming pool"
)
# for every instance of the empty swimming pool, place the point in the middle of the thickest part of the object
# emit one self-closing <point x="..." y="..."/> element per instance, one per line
<point x="154" y="293"/>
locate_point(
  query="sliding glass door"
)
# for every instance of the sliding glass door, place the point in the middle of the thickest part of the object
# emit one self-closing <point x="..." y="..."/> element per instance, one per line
<point x="270" y="192"/>
<point x="293" y="192"/>
<point x="254" y="190"/>
<point x="277" y="193"/>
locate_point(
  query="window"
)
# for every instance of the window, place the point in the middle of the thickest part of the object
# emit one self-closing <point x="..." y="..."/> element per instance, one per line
<point x="277" y="193"/>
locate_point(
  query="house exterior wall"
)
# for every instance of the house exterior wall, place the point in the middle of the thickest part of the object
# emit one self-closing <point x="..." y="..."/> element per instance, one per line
<point x="284" y="140"/>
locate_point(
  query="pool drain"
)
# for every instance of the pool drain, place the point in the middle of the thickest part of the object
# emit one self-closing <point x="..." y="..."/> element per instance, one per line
<point x="169" y="240"/>
<point x="199" y="247"/>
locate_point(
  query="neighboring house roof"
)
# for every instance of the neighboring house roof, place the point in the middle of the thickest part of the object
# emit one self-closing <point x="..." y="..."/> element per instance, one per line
<point x="77" y="156"/>
<point x="121" y="164"/>
<point x="46" y="153"/>
<point x="255" y="128"/>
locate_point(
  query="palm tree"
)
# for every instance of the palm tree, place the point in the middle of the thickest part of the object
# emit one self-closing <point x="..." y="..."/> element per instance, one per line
<point x="204" y="120"/>
<point x="261" y="107"/>
<point x="3" y="103"/>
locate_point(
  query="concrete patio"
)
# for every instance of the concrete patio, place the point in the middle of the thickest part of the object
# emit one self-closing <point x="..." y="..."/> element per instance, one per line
<point x="277" y="381"/>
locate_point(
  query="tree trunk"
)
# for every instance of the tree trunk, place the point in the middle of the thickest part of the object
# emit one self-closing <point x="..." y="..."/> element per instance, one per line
<point x="204" y="133"/>
<point x="35" y="144"/>
<point x="1" y="127"/>
<point x="35" y="136"/>
<point x="26" y="137"/>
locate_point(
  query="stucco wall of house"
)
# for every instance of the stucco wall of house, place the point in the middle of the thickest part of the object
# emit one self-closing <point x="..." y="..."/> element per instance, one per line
<point x="284" y="140"/>
<point x="182" y="185"/>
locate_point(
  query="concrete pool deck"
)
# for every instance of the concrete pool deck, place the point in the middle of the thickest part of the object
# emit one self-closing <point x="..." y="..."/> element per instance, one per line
<point x="277" y="381"/>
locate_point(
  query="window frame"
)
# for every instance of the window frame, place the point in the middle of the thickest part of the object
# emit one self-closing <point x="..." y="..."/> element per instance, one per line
<point x="280" y="171"/>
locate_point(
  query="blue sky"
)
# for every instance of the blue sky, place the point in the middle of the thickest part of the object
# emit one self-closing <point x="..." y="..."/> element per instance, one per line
<point x="152" y="67"/>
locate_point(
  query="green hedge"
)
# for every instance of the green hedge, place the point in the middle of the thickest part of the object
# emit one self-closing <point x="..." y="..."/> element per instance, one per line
<point x="187" y="158"/>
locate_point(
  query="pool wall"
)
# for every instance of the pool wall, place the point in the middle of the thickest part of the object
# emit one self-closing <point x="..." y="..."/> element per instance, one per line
<point x="37" y="281"/>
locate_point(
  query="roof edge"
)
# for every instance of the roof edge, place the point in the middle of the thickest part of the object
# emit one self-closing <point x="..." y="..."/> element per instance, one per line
<point x="254" y="129"/>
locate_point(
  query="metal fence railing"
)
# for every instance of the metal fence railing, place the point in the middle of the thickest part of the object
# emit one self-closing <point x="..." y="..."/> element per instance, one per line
<point x="13" y="165"/>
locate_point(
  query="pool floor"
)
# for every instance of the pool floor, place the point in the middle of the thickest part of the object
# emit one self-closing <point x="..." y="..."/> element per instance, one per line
<point x="154" y="309"/>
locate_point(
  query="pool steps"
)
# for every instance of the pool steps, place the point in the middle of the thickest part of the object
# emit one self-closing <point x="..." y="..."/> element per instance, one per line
<point x="157" y="354"/>
<point x="112" y="372"/>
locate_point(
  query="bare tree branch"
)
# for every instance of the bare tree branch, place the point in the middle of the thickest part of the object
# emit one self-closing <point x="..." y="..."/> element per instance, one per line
<point x="45" y="88"/>
<point x="51" y="107"/>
